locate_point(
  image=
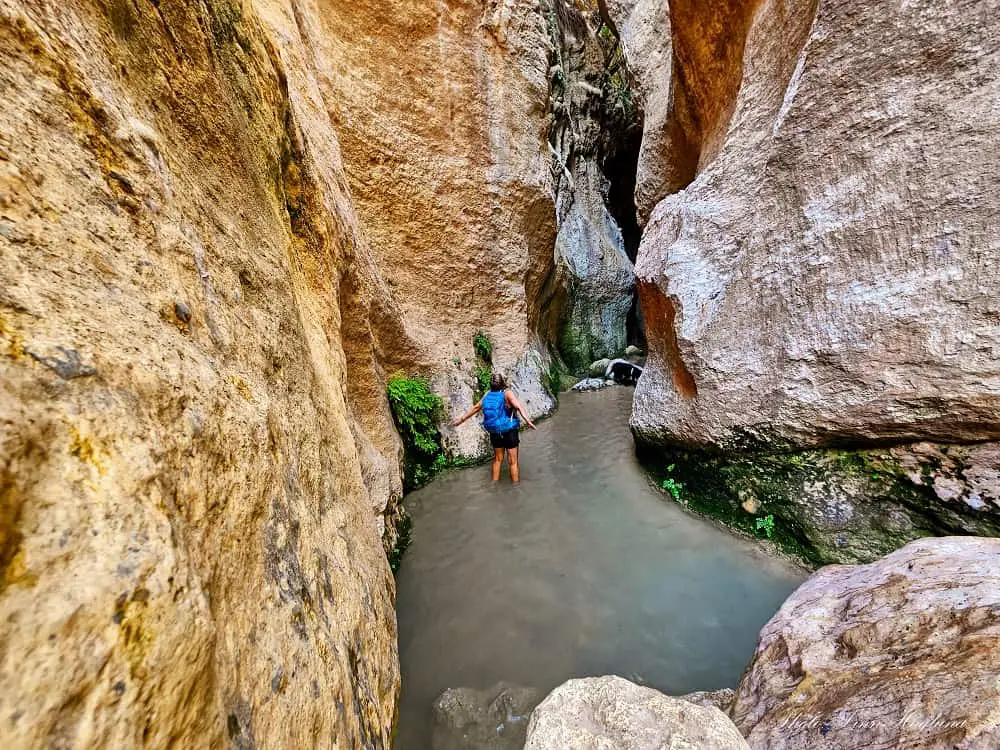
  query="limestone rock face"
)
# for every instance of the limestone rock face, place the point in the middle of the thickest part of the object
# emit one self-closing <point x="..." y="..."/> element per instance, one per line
<point x="829" y="275"/>
<point x="195" y="448"/>
<point x="591" y="289"/>
<point x="903" y="652"/>
<point x="600" y="278"/>
<point x="611" y="713"/>
<point x="440" y="111"/>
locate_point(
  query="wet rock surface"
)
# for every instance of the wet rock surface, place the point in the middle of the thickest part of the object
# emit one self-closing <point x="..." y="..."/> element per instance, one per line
<point x="722" y="699"/>
<point x="611" y="713"/>
<point x="843" y="506"/>
<point x="592" y="285"/>
<point x="592" y="384"/>
<point x="903" y="652"/>
<point x="491" y="719"/>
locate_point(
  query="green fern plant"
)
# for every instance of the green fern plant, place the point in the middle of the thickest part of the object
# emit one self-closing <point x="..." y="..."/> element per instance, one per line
<point x="483" y="347"/>
<point x="766" y="524"/>
<point x="416" y="410"/>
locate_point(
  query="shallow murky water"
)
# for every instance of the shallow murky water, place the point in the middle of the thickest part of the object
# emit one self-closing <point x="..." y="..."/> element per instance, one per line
<point x="584" y="569"/>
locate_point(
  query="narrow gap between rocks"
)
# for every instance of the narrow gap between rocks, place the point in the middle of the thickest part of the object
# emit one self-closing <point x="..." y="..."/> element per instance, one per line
<point x="621" y="168"/>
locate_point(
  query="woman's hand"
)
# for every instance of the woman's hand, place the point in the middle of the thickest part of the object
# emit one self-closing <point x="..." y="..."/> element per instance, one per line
<point x="469" y="414"/>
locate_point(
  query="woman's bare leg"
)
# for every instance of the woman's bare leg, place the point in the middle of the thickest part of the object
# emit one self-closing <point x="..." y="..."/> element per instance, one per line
<point x="515" y="471"/>
<point x="497" y="462"/>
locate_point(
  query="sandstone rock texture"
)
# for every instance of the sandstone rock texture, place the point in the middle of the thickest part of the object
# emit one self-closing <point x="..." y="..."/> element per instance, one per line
<point x="440" y="110"/>
<point x="223" y="226"/>
<point x="195" y="449"/>
<point x="609" y="713"/>
<point x="828" y="277"/>
<point x="904" y="652"/>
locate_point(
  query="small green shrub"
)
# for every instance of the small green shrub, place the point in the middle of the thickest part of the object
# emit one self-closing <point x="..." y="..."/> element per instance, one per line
<point x="416" y="410"/>
<point x="483" y="376"/>
<point x="672" y="486"/>
<point x="483" y="347"/>
<point x="766" y="524"/>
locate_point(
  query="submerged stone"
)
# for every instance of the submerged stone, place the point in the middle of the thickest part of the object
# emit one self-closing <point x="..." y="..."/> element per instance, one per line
<point x="491" y="719"/>
<point x="592" y="384"/>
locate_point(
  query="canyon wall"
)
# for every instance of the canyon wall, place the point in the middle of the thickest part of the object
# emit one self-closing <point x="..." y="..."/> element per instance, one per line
<point x="222" y="228"/>
<point x="440" y="110"/>
<point x="826" y="280"/>
<point x="589" y="294"/>
<point x="192" y="494"/>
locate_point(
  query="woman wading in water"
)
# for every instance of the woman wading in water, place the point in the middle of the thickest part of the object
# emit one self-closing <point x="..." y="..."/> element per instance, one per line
<point x="500" y="408"/>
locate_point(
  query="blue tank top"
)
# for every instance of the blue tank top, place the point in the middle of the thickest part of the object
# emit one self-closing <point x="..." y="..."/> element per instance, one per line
<point x="495" y="415"/>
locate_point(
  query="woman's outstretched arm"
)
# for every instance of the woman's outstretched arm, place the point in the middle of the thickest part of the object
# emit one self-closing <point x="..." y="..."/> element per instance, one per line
<point x="516" y="405"/>
<point x="471" y="412"/>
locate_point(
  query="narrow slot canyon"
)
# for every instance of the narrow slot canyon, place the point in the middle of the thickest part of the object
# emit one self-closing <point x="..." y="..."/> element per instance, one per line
<point x="280" y="278"/>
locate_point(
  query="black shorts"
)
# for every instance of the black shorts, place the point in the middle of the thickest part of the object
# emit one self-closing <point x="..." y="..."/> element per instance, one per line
<point x="509" y="439"/>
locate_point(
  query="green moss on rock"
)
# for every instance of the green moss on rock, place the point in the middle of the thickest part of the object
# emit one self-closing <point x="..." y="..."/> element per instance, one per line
<point x="829" y="506"/>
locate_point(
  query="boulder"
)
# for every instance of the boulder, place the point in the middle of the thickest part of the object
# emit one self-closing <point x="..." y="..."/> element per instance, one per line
<point x="599" y="368"/>
<point x="826" y="277"/>
<point x="491" y="719"/>
<point x="900" y="653"/>
<point x="592" y="384"/>
<point x="824" y="281"/>
<point x="612" y="713"/>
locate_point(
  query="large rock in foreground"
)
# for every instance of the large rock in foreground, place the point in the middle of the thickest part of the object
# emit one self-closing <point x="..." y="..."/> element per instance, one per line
<point x="611" y="713"/>
<point x="901" y="653"/>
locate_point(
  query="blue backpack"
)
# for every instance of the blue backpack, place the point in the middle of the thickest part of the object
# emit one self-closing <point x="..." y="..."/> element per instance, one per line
<point x="495" y="415"/>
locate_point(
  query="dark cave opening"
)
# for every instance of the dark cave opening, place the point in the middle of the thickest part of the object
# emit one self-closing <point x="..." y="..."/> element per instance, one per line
<point x="620" y="166"/>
